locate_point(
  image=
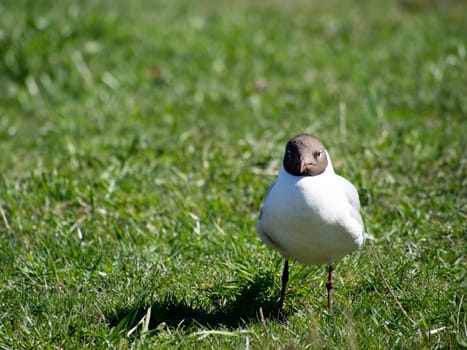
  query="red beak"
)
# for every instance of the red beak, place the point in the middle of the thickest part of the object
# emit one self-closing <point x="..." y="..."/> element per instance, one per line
<point x="302" y="166"/>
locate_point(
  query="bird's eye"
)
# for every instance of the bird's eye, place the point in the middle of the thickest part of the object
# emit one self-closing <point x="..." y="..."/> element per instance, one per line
<point x="318" y="154"/>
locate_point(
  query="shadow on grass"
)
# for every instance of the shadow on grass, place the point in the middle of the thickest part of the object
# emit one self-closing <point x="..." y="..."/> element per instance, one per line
<point x="252" y="302"/>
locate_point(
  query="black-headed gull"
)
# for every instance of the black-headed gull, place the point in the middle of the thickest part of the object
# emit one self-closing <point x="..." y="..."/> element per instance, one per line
<point x="310" y="213"/>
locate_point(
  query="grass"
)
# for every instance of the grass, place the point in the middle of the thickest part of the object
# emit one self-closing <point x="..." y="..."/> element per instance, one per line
<point x="139" y="138"/>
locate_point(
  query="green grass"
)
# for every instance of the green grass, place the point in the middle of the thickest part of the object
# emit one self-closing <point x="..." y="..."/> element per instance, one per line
<point x="138" y="140"/>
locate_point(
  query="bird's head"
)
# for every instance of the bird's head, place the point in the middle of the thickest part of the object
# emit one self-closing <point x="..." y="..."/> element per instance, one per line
<point x="305" y="155"/>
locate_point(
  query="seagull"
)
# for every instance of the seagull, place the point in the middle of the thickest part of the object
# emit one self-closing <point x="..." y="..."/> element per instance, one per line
<point x="310" y="213"/>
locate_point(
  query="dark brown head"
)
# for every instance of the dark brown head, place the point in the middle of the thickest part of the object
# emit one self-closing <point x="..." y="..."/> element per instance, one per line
<point x="305" y="156"/>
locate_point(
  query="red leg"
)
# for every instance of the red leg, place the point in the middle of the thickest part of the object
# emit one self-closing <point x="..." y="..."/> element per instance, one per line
<point x="329" y="287"/>
<point x="285" y="279"/>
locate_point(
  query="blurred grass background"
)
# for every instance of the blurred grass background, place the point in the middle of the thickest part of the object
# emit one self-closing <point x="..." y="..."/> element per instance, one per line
<point x="139" y="139"/>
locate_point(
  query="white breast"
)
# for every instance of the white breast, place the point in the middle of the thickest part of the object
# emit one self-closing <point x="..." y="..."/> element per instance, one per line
<point x="314" y="219"/>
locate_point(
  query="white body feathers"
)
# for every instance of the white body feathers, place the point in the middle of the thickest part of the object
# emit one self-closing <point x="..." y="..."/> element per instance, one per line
<point x="314" y="219"/>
